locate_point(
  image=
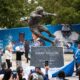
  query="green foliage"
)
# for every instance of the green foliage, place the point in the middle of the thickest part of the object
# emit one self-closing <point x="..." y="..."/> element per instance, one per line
<point x="11" y="11"/>
<point x="68" y="10"/>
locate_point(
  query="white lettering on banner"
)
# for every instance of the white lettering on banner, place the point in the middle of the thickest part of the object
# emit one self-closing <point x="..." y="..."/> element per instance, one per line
<point x="39" y="53"/>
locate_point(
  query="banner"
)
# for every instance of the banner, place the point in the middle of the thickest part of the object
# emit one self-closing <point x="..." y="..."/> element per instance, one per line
<point x="68" y="69"/>
<point x="11" y="35"/>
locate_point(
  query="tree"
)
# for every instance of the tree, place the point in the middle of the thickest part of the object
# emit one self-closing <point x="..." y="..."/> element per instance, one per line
<point x="10" y="12"/>
<point x="68" y="10"/>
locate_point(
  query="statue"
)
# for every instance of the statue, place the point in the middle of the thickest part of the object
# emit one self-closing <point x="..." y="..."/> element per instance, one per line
<point x="34" y="23"/>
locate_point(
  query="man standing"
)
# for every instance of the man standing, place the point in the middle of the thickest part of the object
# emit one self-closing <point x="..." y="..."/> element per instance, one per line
<point x="22" y="46"/>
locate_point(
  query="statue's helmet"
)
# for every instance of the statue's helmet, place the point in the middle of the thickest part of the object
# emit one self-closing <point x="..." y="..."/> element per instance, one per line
<point x="39" y="8"/>
<point x="65" y="27"/>
<point x="66" y="31"/>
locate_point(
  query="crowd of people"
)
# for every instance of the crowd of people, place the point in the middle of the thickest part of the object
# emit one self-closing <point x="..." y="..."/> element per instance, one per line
<point x="35" y="74"/>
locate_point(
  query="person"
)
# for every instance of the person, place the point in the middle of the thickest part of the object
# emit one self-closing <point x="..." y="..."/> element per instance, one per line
<point x="78" y="73"/>
<point x="8" y="55"/>
<point x="1" y="52"/>
<point x="36" y="75"/>
<point x="61" y="76"/>
<point x="20" y="73"/>
<point x="7" y="74"/>
<point x="46" y="77"/>
<point x="36" y="27"/>
<point x="14" y="75"/>
<point x="65" y="36"/>
<point x="37" y="41"/>
<point x="77" y="55"/>
<point x="75" y="47"/>
<point x="21" y="47"/>
<point x="2" y="71"/>
<point x="3" y="66"/>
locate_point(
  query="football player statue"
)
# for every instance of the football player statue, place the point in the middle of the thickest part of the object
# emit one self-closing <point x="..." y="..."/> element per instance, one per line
<point x="36" y="27"/>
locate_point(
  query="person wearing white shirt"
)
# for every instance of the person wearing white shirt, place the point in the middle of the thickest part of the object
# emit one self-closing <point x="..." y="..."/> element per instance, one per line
<point x="65" y="36"/>
<point x="8" y="55"/>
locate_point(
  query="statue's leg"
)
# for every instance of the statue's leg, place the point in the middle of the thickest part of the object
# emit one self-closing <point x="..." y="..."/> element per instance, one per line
<point x="43" y="28"/>
<point x="36" y="32"/>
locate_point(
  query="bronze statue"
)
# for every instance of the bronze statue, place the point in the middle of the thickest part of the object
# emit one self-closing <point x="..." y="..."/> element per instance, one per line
<point x="34" y="23"/>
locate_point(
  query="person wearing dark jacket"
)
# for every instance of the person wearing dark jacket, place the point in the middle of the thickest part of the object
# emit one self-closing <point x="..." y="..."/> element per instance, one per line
<point x="22" y="47"/>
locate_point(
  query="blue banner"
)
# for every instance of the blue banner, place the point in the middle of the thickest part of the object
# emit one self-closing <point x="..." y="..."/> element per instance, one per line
<point x="10" y="35"/>
<point x="68" y="69"/>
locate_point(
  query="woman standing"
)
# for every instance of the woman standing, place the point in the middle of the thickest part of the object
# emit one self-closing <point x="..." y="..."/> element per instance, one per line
<point x="8" y="55"/>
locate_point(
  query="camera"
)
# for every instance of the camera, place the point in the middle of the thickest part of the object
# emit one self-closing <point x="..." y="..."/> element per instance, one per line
<point x="14" y="74"/>
<point x="46" y="63"/>
<point x="32" y="71"/>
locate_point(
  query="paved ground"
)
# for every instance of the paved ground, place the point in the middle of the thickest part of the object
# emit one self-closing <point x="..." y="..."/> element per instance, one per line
<point x="67" y="59"/>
